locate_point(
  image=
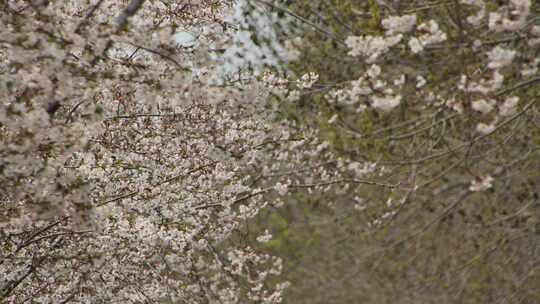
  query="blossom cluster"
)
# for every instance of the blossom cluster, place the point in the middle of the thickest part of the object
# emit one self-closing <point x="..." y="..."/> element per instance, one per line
<point x="125" y="170"/>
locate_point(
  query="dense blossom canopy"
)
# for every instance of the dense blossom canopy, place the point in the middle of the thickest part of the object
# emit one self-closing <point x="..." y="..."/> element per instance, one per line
<point x="124" y="169"/>
<point x="221" y="151"/>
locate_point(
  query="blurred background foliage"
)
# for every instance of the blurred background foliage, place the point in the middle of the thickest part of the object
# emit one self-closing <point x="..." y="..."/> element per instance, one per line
<point x="429" y="239"/>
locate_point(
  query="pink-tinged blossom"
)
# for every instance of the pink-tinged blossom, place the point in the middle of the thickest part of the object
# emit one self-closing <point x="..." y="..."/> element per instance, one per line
<point x="499" y="57"/>
<point x="509" y="107"/>
<point x="399" y="24"/>
<point x="455" y="105"/>
<point x="484" y="86"/>
<point x="483" y="106"/>
<point x="385" y="103"/>
<point x="374" y="71"/>
<point x="535" y="32"/>
<point x="416" y="45"/>
<point x="264" y="238"/>
<point x="476" y="19"/>
<point x="481" y="183"/>
<point x="307" y="80"/>
<point x="400" y="81"/>
<point x="420" y="82"/>
<point x="431" y="35"/>
<point x="530" y="69"/>
<point x="485" y="128"/>
<point x="282" y="188"/>
<point x="513" y="19"/>
<point x="371" y="47"/>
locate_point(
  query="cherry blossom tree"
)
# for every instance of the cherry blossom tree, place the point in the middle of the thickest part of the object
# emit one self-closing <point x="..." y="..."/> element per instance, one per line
<point x="210" y="151"/>
<point x="128" y="155"/>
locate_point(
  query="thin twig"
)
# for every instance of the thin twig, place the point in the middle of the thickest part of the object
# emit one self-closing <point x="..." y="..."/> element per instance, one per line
<point x="118" y="198"/>
<point x="179" y="176"/>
